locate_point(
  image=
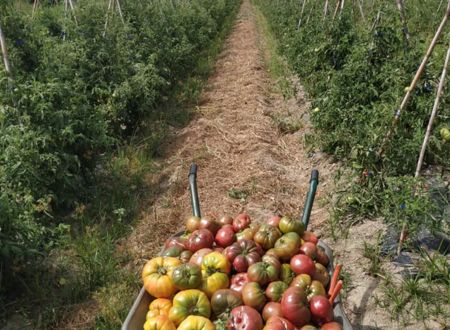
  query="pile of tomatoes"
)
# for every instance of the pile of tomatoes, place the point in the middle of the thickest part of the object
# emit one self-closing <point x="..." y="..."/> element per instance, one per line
<point x="237" y="274"/>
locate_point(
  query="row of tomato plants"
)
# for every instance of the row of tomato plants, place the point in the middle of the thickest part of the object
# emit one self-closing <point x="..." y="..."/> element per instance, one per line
<point x="237" y="274"/>
<point x="77" y="91"/>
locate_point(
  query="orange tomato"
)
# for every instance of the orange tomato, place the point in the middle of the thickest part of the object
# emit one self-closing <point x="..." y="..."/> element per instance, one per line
<point x="160" y="306"/>
<point x="157" y="276"/>
<point x="160" y="322"/>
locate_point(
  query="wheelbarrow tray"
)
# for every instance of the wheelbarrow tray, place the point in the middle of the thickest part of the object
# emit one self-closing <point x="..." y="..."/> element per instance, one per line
<point x="136" y="317"/>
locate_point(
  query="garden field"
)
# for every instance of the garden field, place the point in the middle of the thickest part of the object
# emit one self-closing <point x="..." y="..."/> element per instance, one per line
<point x="104" y="105"/>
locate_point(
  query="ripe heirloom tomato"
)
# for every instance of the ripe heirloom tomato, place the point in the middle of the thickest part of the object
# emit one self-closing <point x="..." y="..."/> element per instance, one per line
<point x="225" y="236"/>
<point x="287" y="246"/>
<point x="294" y="306"/>
<point x="266" y="236"/>
<point x="200" y="239"/>
<point x="321" y="310"/>
<point x="226" y="220"/>
<point x="278" y="323"/>
<point x="160" y="322"/>
<point x="223" y="301"/>
<point x="189" y="302"/>
<point x="211" y="282"/>
<point x="187" y="276"/>
<point x="216" y="262"/>
<point x="302" y="264"/>
<point x="275" y="290"/>
<point x="238" y="281"/>
<point x="274" y="220"/>
<point x="321" y="256"/>
<point x="253" y="296"/>
<point x="263" y="273"/>
<point x="210" y="225"/>
<point x="271" y="309"/>
<point x="173" y="251"/>
<point x="196" y="323"/>
<point x="273" y="260"/>
<point x="310" y="237"/>
<point x="185" y="256"/>
<point x="309" y="249"/>
<point x="175" y="241"/>
<point x="157" y="276"/>
<point x="241" y="222"/>
<point x="242" y="254"/>
<point x="321" y="274"/>
<point x="331" y="326"/>
<point x="244" y="318"/>
<point x="160" y="306"/>
<point x="197" y="257"/>
<point x="286" y="274"/>
<point x="312" y="288"/>
<point x="288" y="225"/>
<point x="192" y="223"/>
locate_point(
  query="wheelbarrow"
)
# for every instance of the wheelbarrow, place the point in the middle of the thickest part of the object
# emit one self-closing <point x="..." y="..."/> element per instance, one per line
<point x="137" y="314"/>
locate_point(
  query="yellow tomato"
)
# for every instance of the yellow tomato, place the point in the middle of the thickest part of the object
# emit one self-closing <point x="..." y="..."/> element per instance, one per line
<point x="160" y="306"/>
<point x="216" y="262"/>
<point x="157" y="276"/>
<point x="214" y="282"/>
<point x="196" y="323"/>
<point x="160" y="322"/>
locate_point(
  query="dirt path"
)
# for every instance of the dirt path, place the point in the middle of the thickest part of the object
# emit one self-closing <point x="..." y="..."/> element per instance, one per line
<point x="237" y="146"/>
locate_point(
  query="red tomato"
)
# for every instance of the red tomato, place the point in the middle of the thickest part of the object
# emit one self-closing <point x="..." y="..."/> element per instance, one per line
<point x="225" y="236"/>
<point x="238" y="281"/>
<point x="331" y="326"/>
<point x="321" y="256"/>
<point x="199" y="239"/>
<point x="226" y="220"/>
<point x="309" y="249"/>
<point x="241" y="222"/>
<point x="274" y="220"/>
<point x="197" y="257"/>
<point x="302" y="264"/>
<point x="243" y="254"/>
<point x="294" y="306"/>
<point x="271" y="309"/>
<point x="278" y="323"/>
<point x="253" y="296"/>
<point x="209" y="224"/>
<point x="175" y="241"/>
<point x="244" y="318"/>
<point x="310" y="237"/>
<point x="321" y="309"/>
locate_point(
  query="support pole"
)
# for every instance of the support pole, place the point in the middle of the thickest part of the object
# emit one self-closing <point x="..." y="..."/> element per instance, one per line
<point x="361" y="11"/>
<point x="401" y="9"/>
<point x="325" y="9"/>
<point x="338" y="4"/>
<point x="413" y="84"/>
<point x="301" y="14"/>
<point x="4" y="52"/>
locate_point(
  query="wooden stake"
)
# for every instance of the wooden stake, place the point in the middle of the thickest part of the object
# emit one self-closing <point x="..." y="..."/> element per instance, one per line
<point x="401" y="9"/>
<point x="361" y="11"/>
<point x="325" y="9"/>
<point x="427" y="136"/>
<point x="433" y="113"/>
<point x="4" y="52"/>
<point x="73" y="11"/>
<point x="338" y="4"/>
<point x="301" y="14"/>
<point x="342" y="7"/>
<point x="413" y="84"/>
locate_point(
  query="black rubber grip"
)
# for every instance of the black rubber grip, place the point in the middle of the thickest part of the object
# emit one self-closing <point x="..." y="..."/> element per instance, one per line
<point x="314" y="175"/>
<point x="193" y="170"/>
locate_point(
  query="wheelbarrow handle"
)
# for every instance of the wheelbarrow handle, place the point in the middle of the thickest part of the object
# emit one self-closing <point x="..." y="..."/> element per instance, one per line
<point x="313" y="182"/>
<point x="193" y="188"/>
